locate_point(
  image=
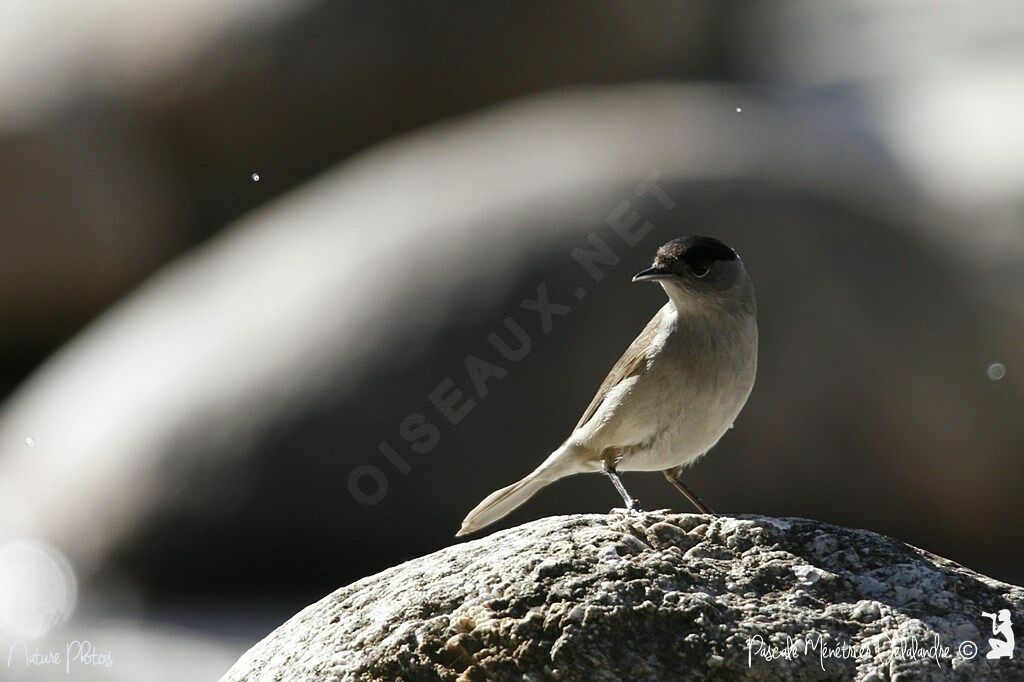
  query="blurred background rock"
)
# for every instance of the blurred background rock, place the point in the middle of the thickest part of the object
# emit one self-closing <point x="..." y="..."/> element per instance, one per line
<point x="201" y="360"/>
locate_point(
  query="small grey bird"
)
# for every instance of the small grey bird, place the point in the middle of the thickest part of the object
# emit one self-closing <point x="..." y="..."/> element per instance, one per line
<point x="675" y="391"/>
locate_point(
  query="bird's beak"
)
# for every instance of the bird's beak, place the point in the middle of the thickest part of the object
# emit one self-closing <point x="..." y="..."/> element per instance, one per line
<point x="650" y="274"/>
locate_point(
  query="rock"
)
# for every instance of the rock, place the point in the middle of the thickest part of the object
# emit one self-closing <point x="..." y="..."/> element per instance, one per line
<point x="652" y="596"/>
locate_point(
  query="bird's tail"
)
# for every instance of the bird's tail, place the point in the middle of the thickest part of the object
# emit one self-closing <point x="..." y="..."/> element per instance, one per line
<point x="500" y="503"/>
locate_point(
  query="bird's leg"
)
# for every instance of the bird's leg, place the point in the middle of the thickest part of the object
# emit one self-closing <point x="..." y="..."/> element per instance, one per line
<point x="673" y="477"/>
<point x="609" y="471"/>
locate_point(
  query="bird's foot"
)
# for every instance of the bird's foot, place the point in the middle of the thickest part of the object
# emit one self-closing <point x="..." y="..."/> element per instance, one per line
<point x="632" y="510"/>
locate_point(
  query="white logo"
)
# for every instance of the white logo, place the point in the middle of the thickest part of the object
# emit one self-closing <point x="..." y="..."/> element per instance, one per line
<point x="1001" y="648"/>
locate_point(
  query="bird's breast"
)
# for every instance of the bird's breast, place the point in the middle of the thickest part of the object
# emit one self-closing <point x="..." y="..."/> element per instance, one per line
<point x="690" y="393"/>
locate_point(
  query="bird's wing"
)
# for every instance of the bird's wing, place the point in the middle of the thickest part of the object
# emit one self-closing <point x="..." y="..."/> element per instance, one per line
<point x="631" y="362"/>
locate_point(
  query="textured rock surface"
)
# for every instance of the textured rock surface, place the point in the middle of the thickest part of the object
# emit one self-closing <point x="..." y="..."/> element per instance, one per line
<point x="651" y="596"/>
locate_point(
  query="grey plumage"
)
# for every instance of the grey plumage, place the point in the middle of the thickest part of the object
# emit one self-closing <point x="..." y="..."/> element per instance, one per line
<point x="674" y="392"/>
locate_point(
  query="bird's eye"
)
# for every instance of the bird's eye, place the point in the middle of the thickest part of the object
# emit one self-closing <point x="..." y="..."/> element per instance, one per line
<point x="700" y="270"/>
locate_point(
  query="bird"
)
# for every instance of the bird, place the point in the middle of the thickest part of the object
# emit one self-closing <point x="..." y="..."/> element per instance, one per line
<point x="673" y="394"/>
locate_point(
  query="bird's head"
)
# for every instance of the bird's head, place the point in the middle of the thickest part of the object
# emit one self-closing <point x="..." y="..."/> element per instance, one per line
<point x="692" y="268"/>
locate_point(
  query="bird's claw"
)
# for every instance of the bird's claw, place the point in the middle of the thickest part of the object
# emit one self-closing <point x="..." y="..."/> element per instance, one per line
<point x="632" y="510"/>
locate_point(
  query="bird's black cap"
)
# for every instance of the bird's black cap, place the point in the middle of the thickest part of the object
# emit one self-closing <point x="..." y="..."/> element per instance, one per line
<point x="693" y="251"/>
<point x="686" y="256"/>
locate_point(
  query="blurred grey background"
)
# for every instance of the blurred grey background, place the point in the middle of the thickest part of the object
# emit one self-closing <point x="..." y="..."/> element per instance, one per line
<point x="243" y="244"/>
